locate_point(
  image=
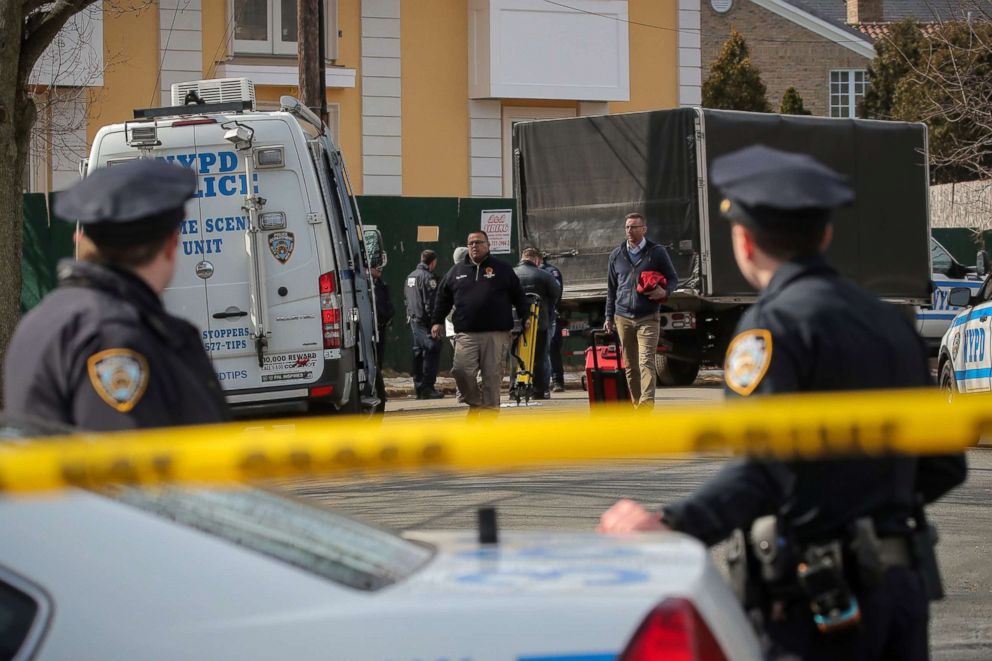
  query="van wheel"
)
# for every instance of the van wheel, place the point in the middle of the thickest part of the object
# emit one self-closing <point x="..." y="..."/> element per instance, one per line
<point x="947" y="383"/>
<point x="673" y="372"/>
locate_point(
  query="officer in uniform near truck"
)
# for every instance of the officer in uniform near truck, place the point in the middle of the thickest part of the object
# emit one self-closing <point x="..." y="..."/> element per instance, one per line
<point x="100" y="352"/>
<point x="419" y="294"/>
<point x="839" y="563"/>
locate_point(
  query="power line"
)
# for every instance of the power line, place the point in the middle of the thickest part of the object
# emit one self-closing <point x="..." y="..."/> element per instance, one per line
<point x="158" y="76"/>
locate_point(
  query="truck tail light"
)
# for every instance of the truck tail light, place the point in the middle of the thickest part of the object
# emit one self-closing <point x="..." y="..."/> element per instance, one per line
<point x="673" y="631"/>
<point x="330" y="312"/>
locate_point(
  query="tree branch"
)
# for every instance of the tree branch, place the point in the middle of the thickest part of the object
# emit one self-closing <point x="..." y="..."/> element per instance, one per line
<point x="40" y="29"/>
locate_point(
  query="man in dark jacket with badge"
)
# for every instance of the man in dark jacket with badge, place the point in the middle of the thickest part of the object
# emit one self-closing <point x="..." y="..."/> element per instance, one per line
<point x="635" y="314"/>
<point x="483" y="292"/>
<point x="847" y="563"/>
<point x="419" y="294"/>
<point x="536" y="280"/>
<point x="100" y="352"/>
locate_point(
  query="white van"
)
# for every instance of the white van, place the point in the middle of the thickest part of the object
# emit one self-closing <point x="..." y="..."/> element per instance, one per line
<point x="272" y="261"/>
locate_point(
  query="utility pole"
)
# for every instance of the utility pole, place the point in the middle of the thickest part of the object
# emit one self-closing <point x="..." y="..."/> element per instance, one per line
<point x="310" y="51"/>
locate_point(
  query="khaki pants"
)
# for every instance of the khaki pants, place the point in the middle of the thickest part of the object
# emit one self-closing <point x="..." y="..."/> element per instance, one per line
<point x="639" y="339"/>
<point x="480" y="354"/>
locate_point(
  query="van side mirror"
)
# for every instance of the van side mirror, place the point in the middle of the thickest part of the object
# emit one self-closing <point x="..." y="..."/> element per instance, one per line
<point x="959" y="297"/>
<point x="373" y="246"/>
<point x="983" y="264"/>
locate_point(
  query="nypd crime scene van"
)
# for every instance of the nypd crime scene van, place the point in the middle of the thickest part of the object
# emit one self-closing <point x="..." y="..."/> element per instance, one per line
<point x="272" y="263"/>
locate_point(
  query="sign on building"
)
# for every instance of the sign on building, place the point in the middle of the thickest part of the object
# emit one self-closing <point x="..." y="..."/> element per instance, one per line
<point x="497" y="223"/>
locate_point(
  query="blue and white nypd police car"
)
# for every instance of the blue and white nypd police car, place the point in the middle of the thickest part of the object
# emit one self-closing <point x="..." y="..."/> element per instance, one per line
<point x="965" y="356"/>
<point x="933" y="320"/>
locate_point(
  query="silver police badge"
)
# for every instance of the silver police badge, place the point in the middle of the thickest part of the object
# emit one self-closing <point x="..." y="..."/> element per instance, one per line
<point x="955" y="344"/>
<point x="119" y="376"/>
<point x="281" y="244"/>
<point x="748" y="358"/>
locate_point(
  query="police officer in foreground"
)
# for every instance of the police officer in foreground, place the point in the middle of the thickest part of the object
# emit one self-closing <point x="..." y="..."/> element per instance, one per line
<point x="419" y="294"/>
<point x="845" y="567"/>
<point x="100" y="352"/>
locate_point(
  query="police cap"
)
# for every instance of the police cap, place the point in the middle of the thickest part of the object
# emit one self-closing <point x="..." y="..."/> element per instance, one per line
<point x="776" y="189"/>
<point x="134" y="202"/>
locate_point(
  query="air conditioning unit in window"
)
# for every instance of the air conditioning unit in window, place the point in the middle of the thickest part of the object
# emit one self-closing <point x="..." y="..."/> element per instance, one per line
<point x="218" y="90"/>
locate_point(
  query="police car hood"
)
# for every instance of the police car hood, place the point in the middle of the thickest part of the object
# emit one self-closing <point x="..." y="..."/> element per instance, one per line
<point x="593" y="590"/>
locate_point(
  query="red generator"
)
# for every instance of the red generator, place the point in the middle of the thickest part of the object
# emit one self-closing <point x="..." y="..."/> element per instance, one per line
<point x="606" y="380"/>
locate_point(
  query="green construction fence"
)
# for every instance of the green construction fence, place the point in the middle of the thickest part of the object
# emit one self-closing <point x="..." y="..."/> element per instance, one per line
<point x="408" y="225"/>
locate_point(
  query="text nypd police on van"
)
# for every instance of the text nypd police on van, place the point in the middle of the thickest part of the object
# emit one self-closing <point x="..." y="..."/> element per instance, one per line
<point x="218" y="176"/>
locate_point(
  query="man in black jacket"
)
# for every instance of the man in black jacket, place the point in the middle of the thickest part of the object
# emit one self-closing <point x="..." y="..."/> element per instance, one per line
<point x="384" y="313"/>
<point x="556" y="370"/>
<point x="483" y="292"/>
<point x="811" y="330"/>
<point x="634" y="314"/>
<point x="419" y="294"/>
<point x="536" y="280"/>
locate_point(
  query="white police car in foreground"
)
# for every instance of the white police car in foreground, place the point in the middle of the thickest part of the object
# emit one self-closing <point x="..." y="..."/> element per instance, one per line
<point x="965" y="357"/>
<point x="179" y="574"/>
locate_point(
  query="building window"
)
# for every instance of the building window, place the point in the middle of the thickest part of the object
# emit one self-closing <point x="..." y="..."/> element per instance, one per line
<point x="847" y="88"/>
<point x="268" y="27"/>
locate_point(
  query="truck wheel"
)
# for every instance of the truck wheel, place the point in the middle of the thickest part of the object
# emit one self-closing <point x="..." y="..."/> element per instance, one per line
<point x="947" y="383"/>
<point x="672" y="372"/>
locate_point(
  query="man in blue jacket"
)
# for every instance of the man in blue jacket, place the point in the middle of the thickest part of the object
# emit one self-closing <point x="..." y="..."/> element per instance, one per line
<point x="635" y="314"/>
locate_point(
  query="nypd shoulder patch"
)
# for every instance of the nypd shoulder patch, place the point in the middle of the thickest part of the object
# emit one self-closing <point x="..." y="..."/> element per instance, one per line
<point x="119" y="376"/>
<point x="748" y="358"/>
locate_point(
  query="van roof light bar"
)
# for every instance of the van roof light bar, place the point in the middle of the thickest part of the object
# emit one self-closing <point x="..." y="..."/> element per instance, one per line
<point x="192" y="109"/>
<point x="294" y="107"/>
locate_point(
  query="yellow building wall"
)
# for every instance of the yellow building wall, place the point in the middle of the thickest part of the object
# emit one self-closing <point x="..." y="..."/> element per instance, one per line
<point x="434" y="56"/>
<point x="654" y="63"/>
<point x="130" y="53"/>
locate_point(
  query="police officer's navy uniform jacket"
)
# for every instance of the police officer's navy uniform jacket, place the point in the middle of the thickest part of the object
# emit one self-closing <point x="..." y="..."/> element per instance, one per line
<point x="483" y="296"/>
<point x="811" y="330"/>
<point x="536" y="280"/>
<point x="101" y="353"/>
<point x="621" y="279"/>
<point x="419" y="293"/>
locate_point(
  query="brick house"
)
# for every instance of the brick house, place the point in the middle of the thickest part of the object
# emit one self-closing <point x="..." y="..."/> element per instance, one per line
<point x="820" y="47"/>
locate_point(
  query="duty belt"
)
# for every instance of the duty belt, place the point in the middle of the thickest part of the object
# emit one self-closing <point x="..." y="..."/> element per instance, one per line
<point x="895" y="552"/>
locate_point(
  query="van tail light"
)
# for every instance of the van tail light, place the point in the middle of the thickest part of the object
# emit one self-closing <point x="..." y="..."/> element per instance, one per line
<point x="330" y="312"/>
<point x="321" y="391"/>
<point x="673" y="631"/>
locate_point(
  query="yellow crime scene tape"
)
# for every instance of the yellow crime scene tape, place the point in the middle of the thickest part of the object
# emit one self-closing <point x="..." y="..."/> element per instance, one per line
<point x="794" y="426"/>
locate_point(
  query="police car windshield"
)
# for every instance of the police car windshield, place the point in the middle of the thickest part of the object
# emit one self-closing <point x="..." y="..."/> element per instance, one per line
<point x="311" y="538"/>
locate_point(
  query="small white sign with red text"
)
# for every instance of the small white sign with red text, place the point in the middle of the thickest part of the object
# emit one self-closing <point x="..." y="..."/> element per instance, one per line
<point x="497" y="224"/>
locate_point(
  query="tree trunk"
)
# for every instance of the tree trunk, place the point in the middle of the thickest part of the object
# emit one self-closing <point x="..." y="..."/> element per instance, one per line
<point x="15" y="108"/>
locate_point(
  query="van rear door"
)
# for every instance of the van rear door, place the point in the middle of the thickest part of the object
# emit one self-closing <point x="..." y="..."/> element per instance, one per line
<point x="289" y="312"/>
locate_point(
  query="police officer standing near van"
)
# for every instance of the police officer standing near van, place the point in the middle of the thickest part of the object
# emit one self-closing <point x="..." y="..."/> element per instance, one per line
<point x="100" y="352"/>
<point x="845" y="568"/>
<point x="419" y="294"/>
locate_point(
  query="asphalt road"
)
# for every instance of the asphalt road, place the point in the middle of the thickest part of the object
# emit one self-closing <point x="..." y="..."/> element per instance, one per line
<point x="571" y="498"/>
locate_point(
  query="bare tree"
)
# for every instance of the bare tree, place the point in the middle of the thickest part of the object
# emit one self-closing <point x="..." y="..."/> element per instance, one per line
<point x="27" y="29"/>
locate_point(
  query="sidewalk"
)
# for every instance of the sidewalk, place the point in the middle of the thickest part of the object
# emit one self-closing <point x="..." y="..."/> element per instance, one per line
<point x="402" y="386"/>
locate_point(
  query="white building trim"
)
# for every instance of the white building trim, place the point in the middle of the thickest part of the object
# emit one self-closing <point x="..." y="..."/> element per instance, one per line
<point x="180" y="44"/>
<point x="690" y="54"/>
<point x="816" y="25"/>
<point x="486" y="148"/>
<point x="284" y="75"/>
<point x="382" y="126"/>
